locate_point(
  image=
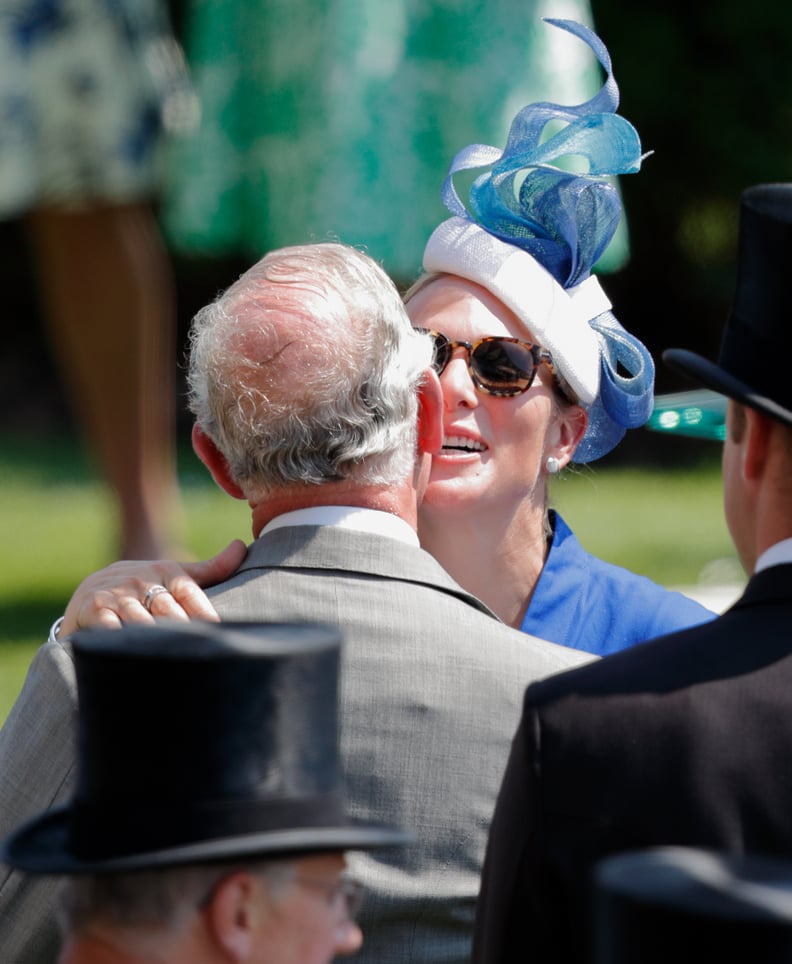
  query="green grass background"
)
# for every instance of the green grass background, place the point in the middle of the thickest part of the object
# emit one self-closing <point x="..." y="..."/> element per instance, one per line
<point x="57" y="525"/>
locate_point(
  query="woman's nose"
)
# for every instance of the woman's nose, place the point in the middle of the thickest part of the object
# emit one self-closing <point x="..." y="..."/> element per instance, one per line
<point x="456" y="382"/>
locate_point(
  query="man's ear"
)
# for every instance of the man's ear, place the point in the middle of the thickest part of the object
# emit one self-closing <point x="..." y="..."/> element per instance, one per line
<point x="430" y="414"/>
<point x="232" y="916"/>
<point x="215" y="461"/>
<point x="758" y="429"/>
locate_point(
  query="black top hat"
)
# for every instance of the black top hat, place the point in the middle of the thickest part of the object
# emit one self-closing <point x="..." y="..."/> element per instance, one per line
<point x="754" y="363"/>
<point x="685" y="905"/>
<point x="200" y="742"/>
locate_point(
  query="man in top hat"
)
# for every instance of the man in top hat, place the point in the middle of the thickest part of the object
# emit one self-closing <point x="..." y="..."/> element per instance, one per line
<point x="687" y="739"/>
<point x="211" y="827"/>
<point x="316" y="401"/>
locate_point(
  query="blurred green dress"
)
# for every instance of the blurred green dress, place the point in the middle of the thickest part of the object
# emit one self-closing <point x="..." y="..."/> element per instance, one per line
<point x="339" y="119"/>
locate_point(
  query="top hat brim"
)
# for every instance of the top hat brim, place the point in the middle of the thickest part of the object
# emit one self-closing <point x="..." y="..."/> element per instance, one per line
<point x="711" y="375"/>
<point x="42" y="846"/>
<point x="688" y="905"/>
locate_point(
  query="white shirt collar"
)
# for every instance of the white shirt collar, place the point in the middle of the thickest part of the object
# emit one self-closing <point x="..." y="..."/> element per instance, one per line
<point x="774" y="556"/>
<point x="347" y="517"/>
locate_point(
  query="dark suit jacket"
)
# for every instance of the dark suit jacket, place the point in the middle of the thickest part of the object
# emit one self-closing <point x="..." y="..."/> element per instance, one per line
<point x="430" y="695"/>
<point x="683" y="740"/>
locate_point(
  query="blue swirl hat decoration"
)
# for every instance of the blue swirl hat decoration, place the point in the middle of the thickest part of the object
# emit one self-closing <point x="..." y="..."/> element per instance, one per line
<point x="535" y="230"/>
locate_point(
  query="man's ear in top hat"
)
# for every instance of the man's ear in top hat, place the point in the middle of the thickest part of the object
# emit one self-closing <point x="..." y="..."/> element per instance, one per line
<point x="756" y="469"/>
<point x="233" y="915"/>
<point x="743" y="457"/>
<point x="245" y="916"/>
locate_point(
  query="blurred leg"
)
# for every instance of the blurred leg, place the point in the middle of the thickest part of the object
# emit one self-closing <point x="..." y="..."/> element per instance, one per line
<point x="109" y="298"/>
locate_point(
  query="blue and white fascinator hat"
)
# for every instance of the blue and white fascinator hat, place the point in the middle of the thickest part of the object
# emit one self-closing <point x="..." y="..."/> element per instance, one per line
<point x="535" y="230"/>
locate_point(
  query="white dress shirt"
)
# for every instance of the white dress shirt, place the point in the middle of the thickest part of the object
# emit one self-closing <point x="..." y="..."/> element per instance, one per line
<point x="347" y="517"/>
<point x="774" y="556"/>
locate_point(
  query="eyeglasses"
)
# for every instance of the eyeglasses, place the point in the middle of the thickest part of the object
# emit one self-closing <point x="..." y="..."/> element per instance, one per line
<point x="497" y="366"/>
<point x="347" y="888"/>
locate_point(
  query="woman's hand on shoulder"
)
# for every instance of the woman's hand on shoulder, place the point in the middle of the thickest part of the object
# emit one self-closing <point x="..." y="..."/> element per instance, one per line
<point x="117" y="594"/>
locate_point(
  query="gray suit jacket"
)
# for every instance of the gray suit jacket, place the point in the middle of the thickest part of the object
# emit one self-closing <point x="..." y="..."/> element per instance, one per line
<point x="431" y="691"/>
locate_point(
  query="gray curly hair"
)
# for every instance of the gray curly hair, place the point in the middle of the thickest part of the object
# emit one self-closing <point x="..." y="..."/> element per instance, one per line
<point x="306" y="370"/>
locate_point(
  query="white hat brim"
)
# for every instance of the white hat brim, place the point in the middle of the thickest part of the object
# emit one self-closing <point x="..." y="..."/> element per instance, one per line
<point x="556" y="319"/>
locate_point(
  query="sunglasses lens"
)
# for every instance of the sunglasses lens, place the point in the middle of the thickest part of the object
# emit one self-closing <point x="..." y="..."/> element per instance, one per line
<point x="442" y="352"/>
<point x="503" y="367"/>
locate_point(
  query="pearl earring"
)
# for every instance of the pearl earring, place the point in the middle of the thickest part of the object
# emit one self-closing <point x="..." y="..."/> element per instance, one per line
<point x="552" y="465"/>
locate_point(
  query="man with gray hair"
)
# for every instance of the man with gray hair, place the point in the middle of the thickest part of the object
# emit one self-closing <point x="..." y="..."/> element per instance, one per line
<point x="315" y="401"/>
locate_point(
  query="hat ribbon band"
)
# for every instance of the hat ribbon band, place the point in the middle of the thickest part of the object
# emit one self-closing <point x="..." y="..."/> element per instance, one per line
<point x="101" y="832"/>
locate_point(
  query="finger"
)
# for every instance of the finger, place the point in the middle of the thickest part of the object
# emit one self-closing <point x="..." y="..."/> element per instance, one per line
<point x="119" y="588"/>
<point x="219" y="567"/>
<point x="188" y="599"/>
<point x="113" y="615"/>
<point x="116" y="594"/>
<point x="127" y="610"/>
<point x="166" y="605"/>
<point x="185" y="586"/>
<point x="98" y="618"/>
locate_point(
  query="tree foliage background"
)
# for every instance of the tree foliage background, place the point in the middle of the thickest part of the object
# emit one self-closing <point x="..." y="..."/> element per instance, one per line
<point x="709" y="87"/>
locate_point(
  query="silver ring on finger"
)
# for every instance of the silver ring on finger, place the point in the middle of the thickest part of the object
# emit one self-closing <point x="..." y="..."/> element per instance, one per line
<point x="151" y="594"/>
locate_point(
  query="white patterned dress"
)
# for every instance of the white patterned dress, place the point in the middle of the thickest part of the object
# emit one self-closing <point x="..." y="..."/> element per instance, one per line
<point x="87" y="88"/>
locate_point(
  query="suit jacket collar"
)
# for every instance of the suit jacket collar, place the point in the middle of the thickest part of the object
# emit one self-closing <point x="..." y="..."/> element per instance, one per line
<point x="769" y="585"/>
<point x="347" y="550"/>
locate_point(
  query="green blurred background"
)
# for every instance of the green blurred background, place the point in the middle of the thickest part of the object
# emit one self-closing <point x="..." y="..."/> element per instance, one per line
<point x="709" y="88"/>
<point x="58" y="526"/>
